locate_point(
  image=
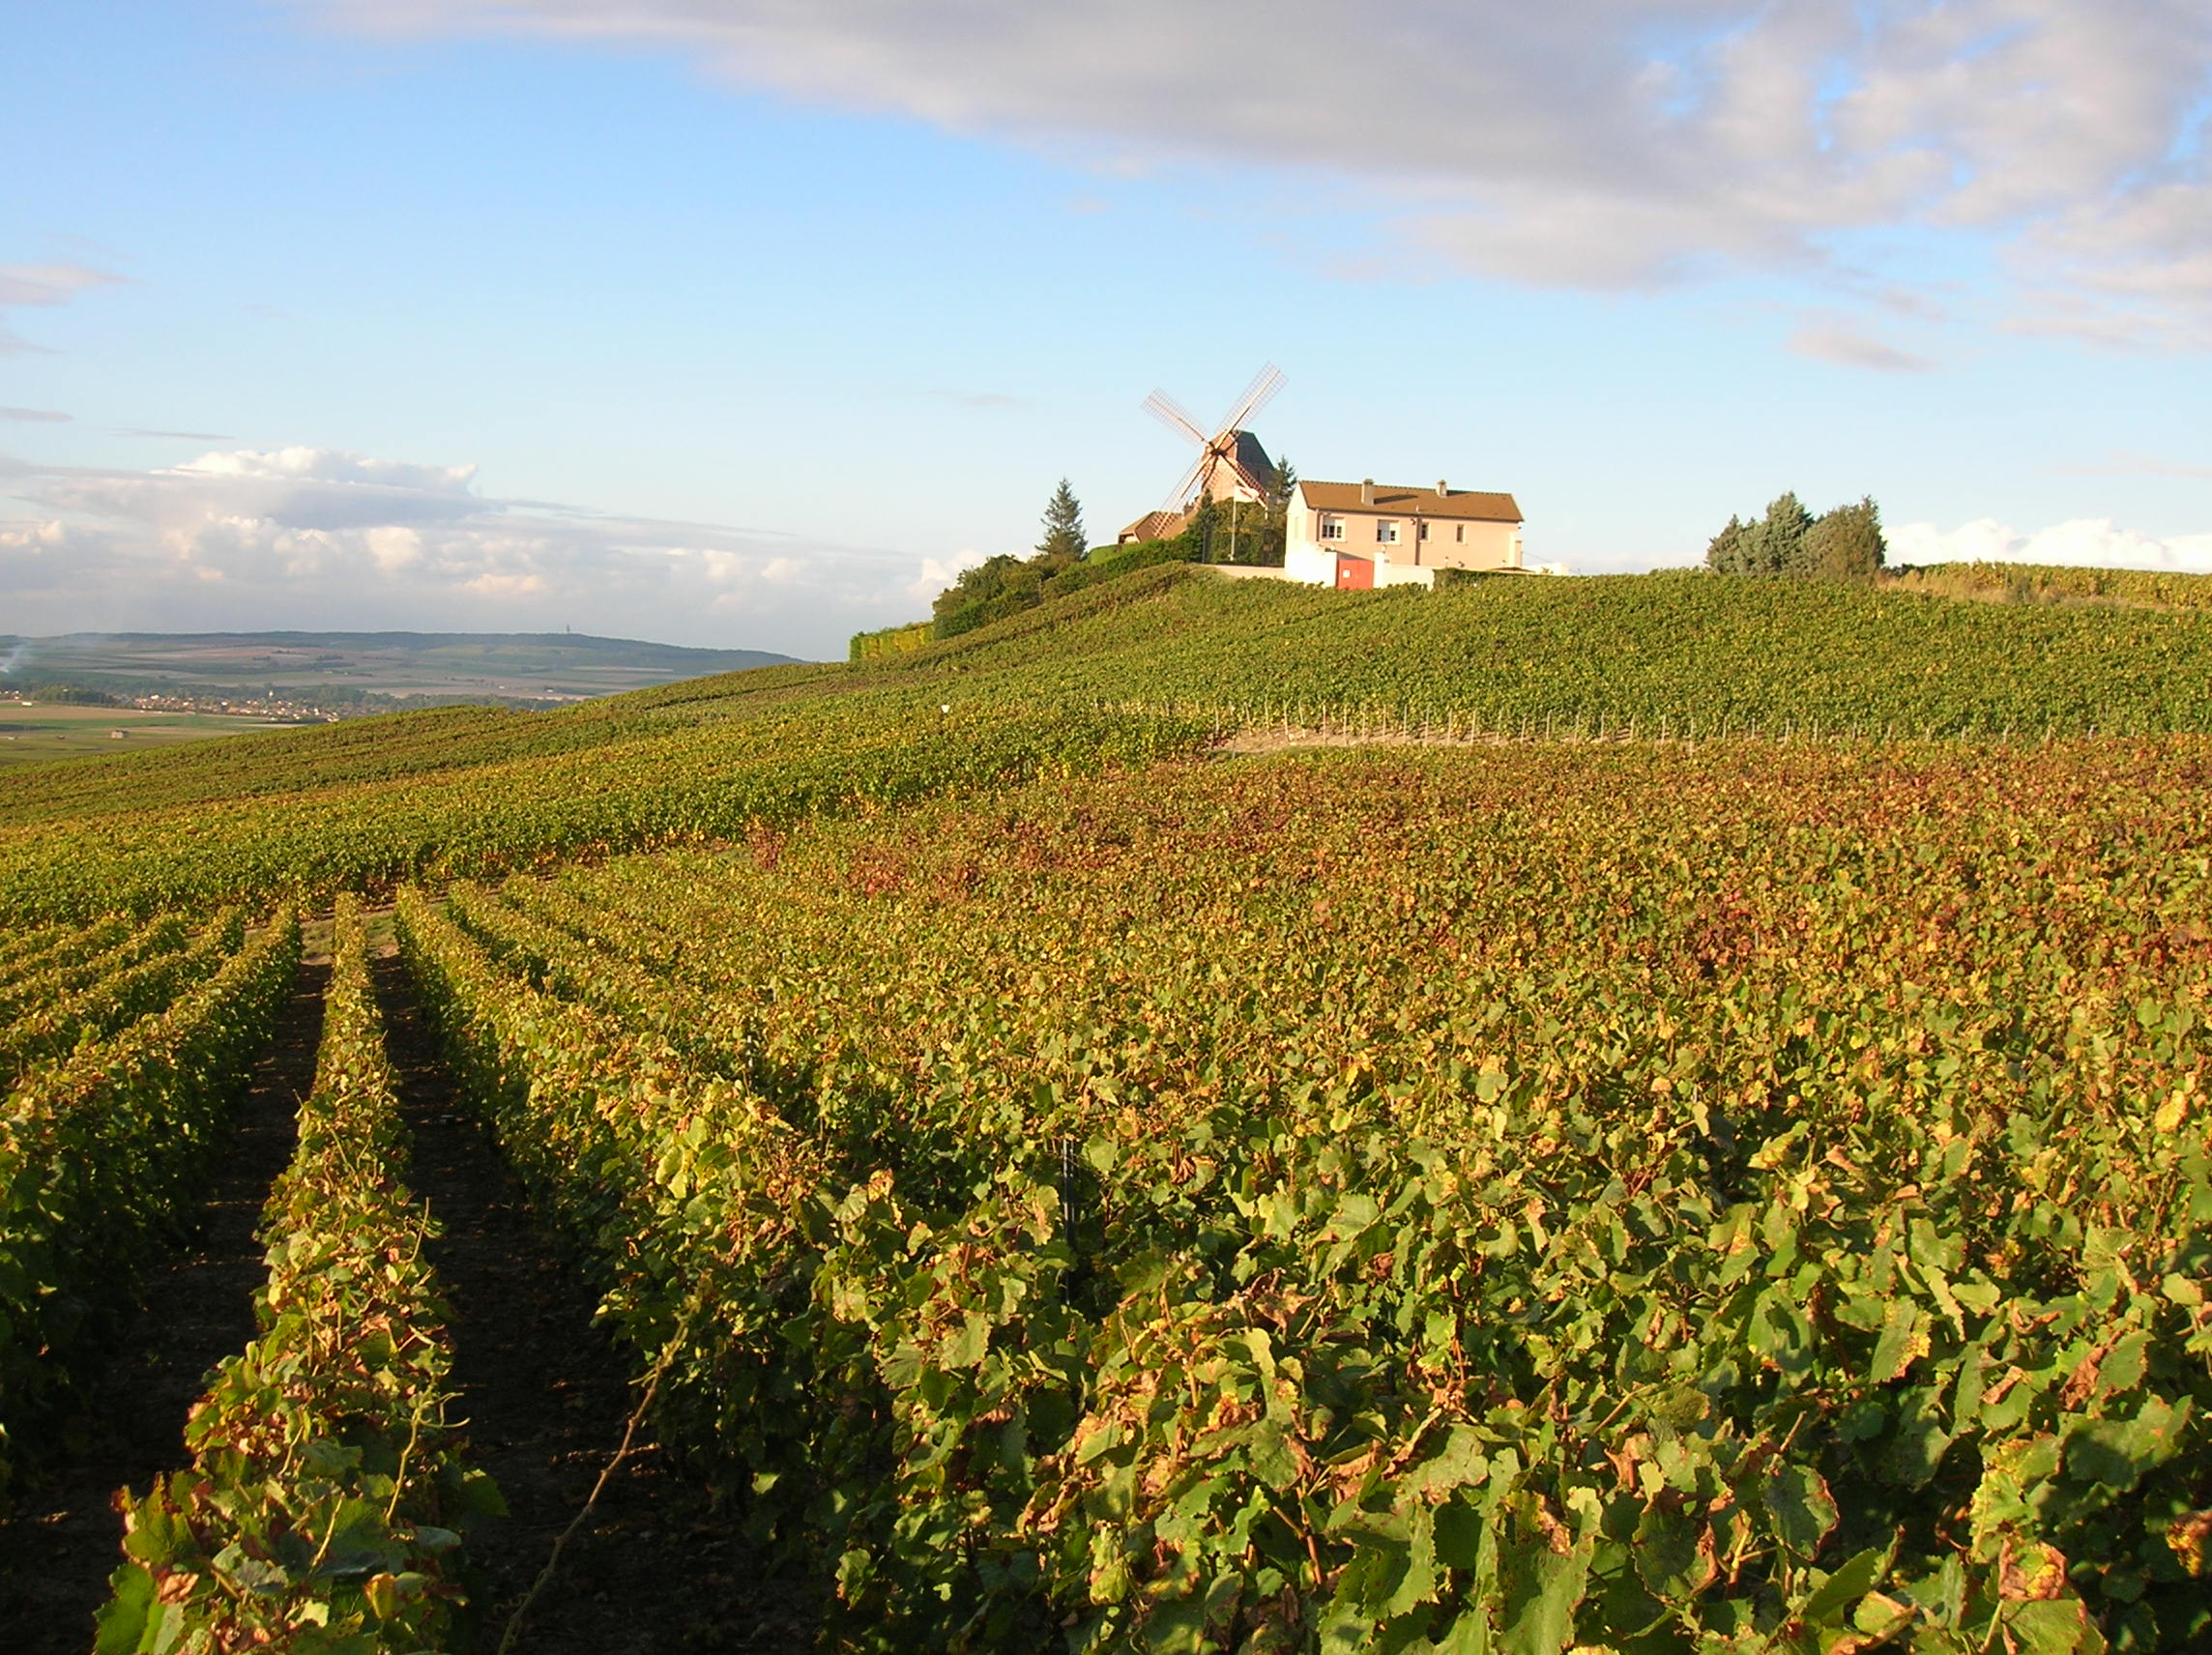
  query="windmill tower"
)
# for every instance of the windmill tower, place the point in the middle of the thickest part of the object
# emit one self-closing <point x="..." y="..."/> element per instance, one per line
<point x="1230" y="463"/>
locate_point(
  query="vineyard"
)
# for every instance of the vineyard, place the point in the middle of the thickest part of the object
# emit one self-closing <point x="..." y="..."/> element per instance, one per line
<point x="324" y="1469"/>
<point x="1204" y="1214"/>
<point x="1144" y="667"/>
<point x="103" y="1143"/>
<point x="2042" y="583"/>
<point x="1671" y="1117"/>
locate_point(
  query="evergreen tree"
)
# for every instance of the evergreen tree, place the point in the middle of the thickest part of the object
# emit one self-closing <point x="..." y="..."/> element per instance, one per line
<point x="1064" y="541"/>
<point x="1724" y="553"/>
<point x="1265" y="545"/>
<point x="1776" y="544"/>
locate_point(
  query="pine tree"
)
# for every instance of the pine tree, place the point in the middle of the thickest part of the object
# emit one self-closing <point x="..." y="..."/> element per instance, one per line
<point x="1725" y="552"/>
<point x="1776" y="542"/>
<point x="1064" y="541"/>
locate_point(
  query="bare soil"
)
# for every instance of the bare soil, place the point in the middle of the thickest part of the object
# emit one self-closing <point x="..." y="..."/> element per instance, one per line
<point x="65" y="1539"/>
<point x="657" y="1566"/>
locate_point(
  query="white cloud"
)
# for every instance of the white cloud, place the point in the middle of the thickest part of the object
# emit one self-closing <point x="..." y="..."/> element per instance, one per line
<point x="314" y="538"/>
<point x="2087" y="542"/>
<point x="938" y="573"/>
<point x="1595" y="143"/>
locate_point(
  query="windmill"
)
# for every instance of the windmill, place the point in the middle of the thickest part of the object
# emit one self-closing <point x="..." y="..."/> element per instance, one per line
<point x="1231" y="464"/>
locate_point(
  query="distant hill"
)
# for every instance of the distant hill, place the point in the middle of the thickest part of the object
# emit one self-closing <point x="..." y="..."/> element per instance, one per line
<point x="363" y="670"/>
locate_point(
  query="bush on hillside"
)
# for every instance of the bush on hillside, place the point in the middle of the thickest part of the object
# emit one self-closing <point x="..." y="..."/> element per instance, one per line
<point x="1007" y="585"/>
<point x="1121" y="561"/>
<point x="1010" y="600"/>
<point x="888" y="641"/>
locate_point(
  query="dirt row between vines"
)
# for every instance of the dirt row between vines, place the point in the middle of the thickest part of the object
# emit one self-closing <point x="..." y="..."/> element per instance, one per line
<point x="657" y="1566"/>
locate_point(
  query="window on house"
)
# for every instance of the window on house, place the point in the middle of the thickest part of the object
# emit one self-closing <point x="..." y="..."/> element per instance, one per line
<point x="1387" y="532"/>
<point x="1424" y="531"/>
<point x="1332" y="528"/>
<point x="1459" y="531"/>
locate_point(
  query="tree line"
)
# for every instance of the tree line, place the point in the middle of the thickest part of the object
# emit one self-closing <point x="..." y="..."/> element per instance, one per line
<point x="1842" y="545"/>
<point x="1217" y="531"/>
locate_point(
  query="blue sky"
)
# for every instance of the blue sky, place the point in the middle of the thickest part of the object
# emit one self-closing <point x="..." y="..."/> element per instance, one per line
<point x="744" y="322"/>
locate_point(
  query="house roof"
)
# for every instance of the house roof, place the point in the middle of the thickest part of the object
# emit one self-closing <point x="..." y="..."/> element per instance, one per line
<point x="1155" y="526"/>
<point x="1391" y="499"/>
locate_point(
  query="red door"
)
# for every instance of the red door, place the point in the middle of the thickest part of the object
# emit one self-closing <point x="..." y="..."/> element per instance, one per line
<point x="1353" y="574"/>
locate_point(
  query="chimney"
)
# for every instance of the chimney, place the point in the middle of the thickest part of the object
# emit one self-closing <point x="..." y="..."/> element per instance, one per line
<point x="1367" y="491"/>
<point x="1441" y="488"/>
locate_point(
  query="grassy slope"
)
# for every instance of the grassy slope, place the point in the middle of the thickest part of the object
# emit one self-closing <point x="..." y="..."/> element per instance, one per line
<point x="43" y="733"/>
<point x="476" y="789"/>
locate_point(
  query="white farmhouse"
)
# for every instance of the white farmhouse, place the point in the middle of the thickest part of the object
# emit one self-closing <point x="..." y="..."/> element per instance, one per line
<point x="1360" y="535"/>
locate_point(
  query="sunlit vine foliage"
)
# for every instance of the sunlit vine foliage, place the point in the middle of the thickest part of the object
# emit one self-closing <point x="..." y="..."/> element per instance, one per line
<point x="1629" y="1198"/>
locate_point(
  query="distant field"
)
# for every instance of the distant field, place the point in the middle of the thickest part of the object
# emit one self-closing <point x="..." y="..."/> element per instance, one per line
<point x="31" y="735"/>
<point x="375" y="669"/>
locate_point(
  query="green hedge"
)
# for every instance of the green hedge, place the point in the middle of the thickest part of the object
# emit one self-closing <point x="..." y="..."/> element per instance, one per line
<point x="888" y="641"/>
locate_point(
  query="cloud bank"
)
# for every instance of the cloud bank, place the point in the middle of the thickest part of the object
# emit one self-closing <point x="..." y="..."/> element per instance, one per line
<point x="314" y="538"/>
<point x="1582" y="143"/>
<point x="2088" y="542"/>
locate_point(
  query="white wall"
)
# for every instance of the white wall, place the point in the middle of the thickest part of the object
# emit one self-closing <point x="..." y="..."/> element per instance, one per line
<point x="1313" y="564"/>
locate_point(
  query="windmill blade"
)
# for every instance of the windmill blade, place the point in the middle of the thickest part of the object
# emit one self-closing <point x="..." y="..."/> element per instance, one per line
<point x="1256" y="395"/>
<point x="1170" y="413"/>
<point x="1177" y="501"/>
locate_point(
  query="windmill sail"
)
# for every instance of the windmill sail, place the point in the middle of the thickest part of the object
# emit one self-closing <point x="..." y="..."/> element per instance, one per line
<point x="1231" y="464"/>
